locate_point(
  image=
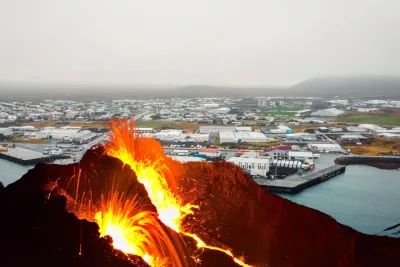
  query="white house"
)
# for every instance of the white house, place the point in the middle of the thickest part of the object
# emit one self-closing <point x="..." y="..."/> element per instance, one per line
<point x="253" y="166"/>
<point x="301" y="156"/>
<point x="325" y="147"/>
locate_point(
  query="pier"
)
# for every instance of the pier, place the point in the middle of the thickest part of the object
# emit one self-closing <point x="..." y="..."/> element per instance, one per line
<point x="25" y="156"/>
<point x="295" y="183"/>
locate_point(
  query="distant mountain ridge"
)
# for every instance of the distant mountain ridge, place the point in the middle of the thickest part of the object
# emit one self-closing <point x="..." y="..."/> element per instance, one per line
<point x="348" y="86"/>
<point x="217" y="91"/>
<point x="329" y="86"/>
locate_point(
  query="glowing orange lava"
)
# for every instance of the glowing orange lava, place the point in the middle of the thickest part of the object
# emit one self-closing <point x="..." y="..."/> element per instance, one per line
<point x="153" y="169"/>
<point x="128" y="225"/>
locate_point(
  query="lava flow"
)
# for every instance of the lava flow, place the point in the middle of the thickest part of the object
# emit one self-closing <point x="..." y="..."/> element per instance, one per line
<point x="155" y="171"/>
<point x="148" y="220"/>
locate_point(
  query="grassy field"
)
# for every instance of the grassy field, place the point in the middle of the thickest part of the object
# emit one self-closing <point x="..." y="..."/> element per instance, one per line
<point x="283" y="111"/>
<point x="378" y="120"/>
<point x="379" y="146"/>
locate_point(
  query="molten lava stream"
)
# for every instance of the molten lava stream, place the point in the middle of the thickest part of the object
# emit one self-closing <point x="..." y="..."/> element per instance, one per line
<point x="146" y="158"/>
<point x="122" y="212"/>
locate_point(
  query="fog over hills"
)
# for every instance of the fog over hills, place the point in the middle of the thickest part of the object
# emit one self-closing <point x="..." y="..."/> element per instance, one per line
<point x="217" y="91"/>
<point x="329" y="86"/>
<point x="350" y="86"/>
<point x="344" y="86"/>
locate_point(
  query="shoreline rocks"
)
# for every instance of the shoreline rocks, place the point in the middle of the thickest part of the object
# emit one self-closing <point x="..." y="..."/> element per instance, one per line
<point x="377" y="162"/>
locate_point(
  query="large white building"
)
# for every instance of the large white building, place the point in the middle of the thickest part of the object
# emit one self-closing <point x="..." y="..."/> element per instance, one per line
<point x="194" y="137"/>
<point x="56" y="133"/>
<point x="168" y="135"/>
<point x="329" y="112"/>
<point x="24" y="129"/>
<point x="5" y="132"/>
<point x="240" y="137"/>
<point x="325" y="147"/>
<point x="210" y="105"/>
<point x="216" y="129"/>
<point x="210" y="152"/>
<point x="253" y="166"/>
<point x="262" y="101"/>
<point x="227" y="137"/>
<point x="178" y="135"/>
<point x="220" y="128"/>
<point x="280" y="129"/>
<point x="220" y="110"/>
<point x="243" y="129"/>
<point x="303" y="156"/>
<point x="371" y="127"/>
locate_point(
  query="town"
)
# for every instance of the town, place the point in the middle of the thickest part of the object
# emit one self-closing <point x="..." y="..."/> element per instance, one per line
<point x="267" y="137"/>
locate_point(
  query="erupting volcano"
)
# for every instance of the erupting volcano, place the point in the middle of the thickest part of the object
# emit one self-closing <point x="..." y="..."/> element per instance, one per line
<point x="127" y="204"/>
<point x="125" y="216"/>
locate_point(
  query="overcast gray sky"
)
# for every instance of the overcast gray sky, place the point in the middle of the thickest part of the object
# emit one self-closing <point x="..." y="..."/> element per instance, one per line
<point x="251" y="42"/>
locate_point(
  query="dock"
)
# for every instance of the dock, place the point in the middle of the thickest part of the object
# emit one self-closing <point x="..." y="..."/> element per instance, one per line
<point x="295" y="183"/>
<point x="25" y="156"/>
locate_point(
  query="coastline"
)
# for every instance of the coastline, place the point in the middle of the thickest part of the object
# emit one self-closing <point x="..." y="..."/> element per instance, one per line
<point x="32" y="161"/>
<point x="386" y="163"/>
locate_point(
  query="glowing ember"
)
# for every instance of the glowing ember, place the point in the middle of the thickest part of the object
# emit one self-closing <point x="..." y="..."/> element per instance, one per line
<point x="127" y="217"/>
<point x="151" y="171"/>
<point x="146" y="158"/>
<point x="128" y="224"/>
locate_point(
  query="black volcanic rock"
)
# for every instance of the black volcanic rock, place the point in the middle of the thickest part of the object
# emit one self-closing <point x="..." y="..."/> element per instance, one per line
<point x="390" y="163"/>
<point x="38" y="231"/>
<point x="272" y="231"/>
<point x="234" y="213"/>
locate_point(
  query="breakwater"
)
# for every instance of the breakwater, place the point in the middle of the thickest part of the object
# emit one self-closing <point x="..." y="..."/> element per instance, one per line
<point x="388" y="163"/>
<point x="32" y="161"/>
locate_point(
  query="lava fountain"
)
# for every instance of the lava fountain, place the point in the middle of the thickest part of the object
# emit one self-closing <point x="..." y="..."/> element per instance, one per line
<point x="145" y="218"/>
<point x="156" y="172"/>
<point x="122" y="211"/>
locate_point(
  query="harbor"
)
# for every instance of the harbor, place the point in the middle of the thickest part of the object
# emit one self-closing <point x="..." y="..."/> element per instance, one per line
<point x="25" y="156"/>
<point x="295" y="183"/>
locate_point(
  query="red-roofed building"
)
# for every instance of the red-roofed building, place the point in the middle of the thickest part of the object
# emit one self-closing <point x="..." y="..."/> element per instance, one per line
<point x="210" y="152"/>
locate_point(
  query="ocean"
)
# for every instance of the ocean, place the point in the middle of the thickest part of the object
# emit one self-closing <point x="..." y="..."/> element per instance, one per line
<point x="10" y="172"/>
<point x="364" y="198"/>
